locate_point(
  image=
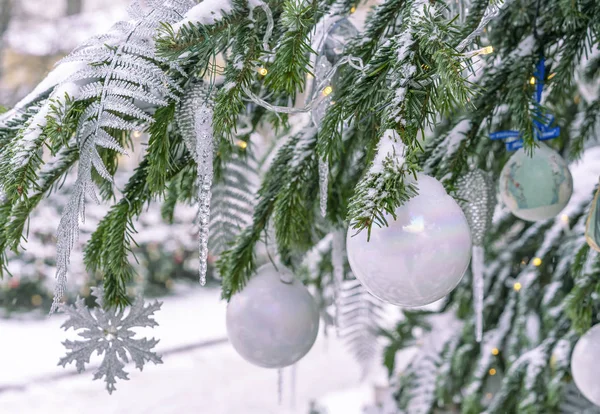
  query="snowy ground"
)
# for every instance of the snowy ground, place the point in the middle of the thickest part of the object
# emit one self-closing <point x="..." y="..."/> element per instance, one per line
<point x="209" y="378"/>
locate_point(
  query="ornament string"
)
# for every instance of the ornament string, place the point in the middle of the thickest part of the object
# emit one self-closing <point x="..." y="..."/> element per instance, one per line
<point x="542" y="130"/>
<point x="317" y="97"/>
<point x="293" y="387"/>
<point x="279" y="385"/>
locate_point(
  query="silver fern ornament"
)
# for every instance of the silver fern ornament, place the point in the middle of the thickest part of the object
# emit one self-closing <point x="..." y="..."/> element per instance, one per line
<point x="477" y="199"/>
<point x="122" y="78"/>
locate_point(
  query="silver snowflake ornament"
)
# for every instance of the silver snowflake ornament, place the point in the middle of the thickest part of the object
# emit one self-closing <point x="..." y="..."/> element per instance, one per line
<point x="477" y="199"/>
<point x="108" y="332"/>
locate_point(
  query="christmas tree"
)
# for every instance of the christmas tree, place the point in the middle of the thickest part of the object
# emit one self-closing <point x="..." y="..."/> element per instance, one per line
<point x="380" y="133"/>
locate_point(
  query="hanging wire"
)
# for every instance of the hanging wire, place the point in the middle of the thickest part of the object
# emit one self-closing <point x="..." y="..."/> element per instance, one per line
<point x="352" y="61"/>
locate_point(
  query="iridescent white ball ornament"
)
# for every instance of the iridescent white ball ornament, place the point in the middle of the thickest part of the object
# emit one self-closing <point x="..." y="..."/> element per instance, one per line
<point x="273" y="321"/>
<point x="584" y="364"/>
<point x="536" y="187"/>
<point x="421" y="256"/>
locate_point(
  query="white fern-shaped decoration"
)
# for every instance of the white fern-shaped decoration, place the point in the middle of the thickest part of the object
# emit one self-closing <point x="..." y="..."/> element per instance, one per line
<point x="359" y="318"/>
<point x="233" y="199"/>
<point x="427" y="364"/>
<point x="575" y="402"/>
<point x="123" y="82"/>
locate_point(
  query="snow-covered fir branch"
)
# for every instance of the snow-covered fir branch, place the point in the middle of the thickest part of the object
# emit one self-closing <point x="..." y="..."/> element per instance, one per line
<point x="424" y="98"/>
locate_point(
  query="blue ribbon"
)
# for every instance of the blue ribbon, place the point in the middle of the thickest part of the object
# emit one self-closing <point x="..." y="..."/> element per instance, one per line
<point x="542" y="129"/>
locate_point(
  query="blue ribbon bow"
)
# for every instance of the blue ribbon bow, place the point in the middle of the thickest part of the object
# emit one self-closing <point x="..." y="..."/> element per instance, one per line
<point x="542" y="130"/>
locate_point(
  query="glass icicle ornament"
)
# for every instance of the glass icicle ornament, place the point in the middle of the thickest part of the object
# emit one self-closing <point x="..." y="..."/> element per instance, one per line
<point x="330" y="48"/>
<point x="477" y="198"/>
<point x="592" y="225"/>
<point x="194" y="119"/>
<point x="274" y="321"/>
<point x="423" y="253"/>
<point x="536" y="187"/>
<point x="323" y="186"/>
<point x="205" y="154"/>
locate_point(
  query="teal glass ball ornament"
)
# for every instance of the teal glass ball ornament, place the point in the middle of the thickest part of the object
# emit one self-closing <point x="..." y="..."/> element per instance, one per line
<point x="584" y="364"/>
<point x="274" y="321"/>
<point x="421" y="256"/>
<point x="536" y="187"/>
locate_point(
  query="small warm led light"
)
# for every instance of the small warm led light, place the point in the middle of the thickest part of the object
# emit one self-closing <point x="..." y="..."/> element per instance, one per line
<point x="36" y="300"/>
<point x="565" y="218"/>
<point x="492" y="371"/>
<point x="550" y="76"/>
<point x="262" y="71"/>
<point x="487" y="50"/>
<point x="352" y="9"/>
<point x="537" y="261"/>
<point x="242" y="144"/>
<point x="489" y="396"/>
<point x="495" y="351"/>
<point x="517" y="286"/>
<point x="532" y="80"/>
<point x="137" y="134"/>
<point x="327" y="90"/>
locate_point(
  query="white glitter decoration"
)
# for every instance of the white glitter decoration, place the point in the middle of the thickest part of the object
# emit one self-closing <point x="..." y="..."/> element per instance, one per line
<point x="477" y="199"/>
<point x="109" y="332"/>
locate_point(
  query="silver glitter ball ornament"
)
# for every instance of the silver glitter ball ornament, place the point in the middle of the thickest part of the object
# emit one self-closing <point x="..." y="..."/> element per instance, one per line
<point x="477" y="198"/>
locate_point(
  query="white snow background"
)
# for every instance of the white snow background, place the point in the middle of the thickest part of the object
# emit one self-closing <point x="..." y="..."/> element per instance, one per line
<point x="211" y="379"/>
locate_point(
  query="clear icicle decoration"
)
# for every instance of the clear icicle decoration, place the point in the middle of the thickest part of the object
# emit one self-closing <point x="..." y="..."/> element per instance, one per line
<point x="322" y="69"/>
<point x="337" y="262"/>
<point x="323" y="185"/>
<point x="330" y="47"/>
<point x="477" y="264"/>
<point x="194" y="120"/>
<point x="477" y="199"/>
<point x="204" y="154"/>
